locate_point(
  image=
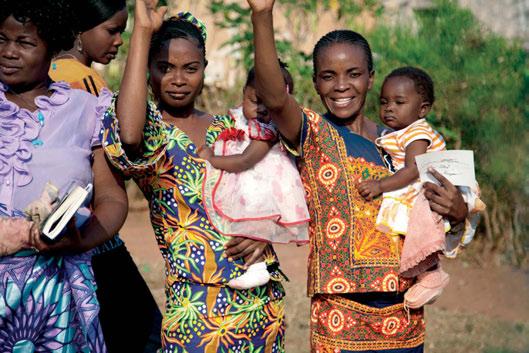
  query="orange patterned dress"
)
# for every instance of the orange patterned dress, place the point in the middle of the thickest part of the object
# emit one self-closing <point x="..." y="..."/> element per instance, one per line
<point x="357" y="302"/>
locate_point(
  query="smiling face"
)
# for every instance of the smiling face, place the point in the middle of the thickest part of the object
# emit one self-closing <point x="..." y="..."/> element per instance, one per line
<point x="101" y="43"/>
<point x="342" y="79"/>
<point x="400" y="103"/>
<point x="24" y="57"/>
<point x="177" y="73"/>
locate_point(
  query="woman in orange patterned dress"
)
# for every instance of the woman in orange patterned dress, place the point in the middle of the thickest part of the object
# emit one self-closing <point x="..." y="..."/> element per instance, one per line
<point x="354" y="282"/>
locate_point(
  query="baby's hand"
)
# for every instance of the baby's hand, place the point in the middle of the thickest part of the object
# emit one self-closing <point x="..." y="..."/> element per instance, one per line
<point x="205" y="152"/>
<point x="369" y="189"/>
<point x="261" y="5"/>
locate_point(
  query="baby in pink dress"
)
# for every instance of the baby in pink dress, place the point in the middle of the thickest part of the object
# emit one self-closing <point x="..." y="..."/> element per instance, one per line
<point x="252" y="187"/>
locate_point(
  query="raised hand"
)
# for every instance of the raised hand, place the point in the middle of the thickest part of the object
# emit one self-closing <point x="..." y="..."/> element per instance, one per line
<point x="148" y="16"/>
<point x="261" y="5"/>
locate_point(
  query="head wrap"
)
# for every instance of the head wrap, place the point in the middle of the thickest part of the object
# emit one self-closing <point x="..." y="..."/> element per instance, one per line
<point x="187" y="16"/>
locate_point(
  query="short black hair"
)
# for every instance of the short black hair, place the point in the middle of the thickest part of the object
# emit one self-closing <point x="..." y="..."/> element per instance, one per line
<point x="343" y="36"/>
<point x="54" y="19"/>
<point x="289" y="81"/>
<point x="422" y="81"/>
<point x="173" y="28"/>
<point x="91" y="13"/>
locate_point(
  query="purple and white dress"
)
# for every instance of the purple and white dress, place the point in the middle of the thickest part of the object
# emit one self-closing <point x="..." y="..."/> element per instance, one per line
<point x="47" y="303"/>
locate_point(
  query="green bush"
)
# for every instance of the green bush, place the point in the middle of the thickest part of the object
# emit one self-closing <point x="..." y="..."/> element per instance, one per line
<point x="482" y="87"/>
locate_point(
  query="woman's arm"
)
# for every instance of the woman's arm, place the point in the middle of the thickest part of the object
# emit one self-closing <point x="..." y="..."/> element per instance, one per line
<point x="110" y="203"/>
<point x="271" y="87"/>
<point x="110" y="207"/>
<point x="237" y="163"/>
<point x="372" y="188"/>
<point x="132" y="102"/>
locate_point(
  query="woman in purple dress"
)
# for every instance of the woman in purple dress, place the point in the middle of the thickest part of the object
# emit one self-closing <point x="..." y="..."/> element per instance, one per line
<point x="49" y="133"/>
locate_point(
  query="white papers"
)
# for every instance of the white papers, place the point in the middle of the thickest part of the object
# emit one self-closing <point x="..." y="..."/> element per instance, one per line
<point x="455" y="165"/>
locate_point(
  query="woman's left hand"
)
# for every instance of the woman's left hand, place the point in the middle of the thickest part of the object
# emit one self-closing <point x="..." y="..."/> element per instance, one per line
<point x="249" y="249"/>
<point x="445" y="199"/>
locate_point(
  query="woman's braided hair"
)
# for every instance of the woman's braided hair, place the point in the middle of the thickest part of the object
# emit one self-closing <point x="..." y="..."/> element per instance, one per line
<point x="92" y="13"/>
<point x="342" y="36"/>
<point x="173" y="28"/>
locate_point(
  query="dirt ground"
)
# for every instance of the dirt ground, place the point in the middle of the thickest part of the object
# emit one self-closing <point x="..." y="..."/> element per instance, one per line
<point x="484" y="309"/>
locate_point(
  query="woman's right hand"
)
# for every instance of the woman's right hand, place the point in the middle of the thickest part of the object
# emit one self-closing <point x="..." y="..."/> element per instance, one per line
<point x="261" y="5"/>
<point x="445" y="199"/>
<point x="148" y="16"/>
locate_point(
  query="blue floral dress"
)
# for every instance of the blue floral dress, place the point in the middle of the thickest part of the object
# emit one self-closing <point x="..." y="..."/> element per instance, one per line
<point x="48" y="303"/>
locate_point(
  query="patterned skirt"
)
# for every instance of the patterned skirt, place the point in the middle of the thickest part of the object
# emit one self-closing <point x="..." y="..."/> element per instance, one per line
<point x="48" y="304"/>
<point x="340" y="324"/>
<point x="238" y="322"/>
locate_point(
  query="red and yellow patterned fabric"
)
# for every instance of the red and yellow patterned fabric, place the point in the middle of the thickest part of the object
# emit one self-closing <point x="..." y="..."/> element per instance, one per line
<point x="348" y="254"/>
<point x="339" y="324"/>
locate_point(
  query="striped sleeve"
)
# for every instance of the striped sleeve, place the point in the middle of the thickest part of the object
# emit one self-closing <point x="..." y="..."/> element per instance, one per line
<point x="418" y="132"/>
<point x="90" y="85"/>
